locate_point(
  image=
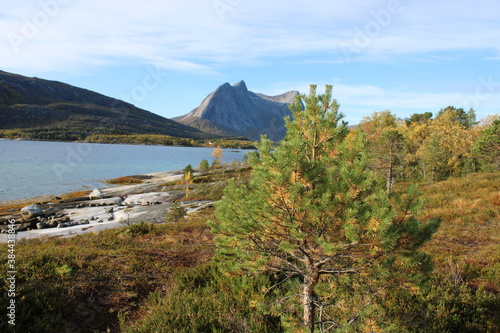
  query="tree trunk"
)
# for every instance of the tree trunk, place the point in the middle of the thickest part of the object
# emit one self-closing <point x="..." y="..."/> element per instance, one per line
<point x="390" y="171"/>
<point x="310" y="281"/>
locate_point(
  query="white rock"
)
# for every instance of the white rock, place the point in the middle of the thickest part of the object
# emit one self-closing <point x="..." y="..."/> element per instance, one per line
<point x="95" y="194"/>
<point x="31" y="211"/>
<point x="146" y="198"/>
<point x="108" y="201"/>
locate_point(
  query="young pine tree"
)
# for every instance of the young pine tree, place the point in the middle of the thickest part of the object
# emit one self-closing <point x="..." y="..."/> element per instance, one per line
<point x="312" y="211"/>
<point x="204" y="166"/>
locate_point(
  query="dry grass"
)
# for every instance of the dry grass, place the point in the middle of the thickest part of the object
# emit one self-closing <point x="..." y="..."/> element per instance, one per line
<point x="469" y="235"/>
<point x="129" y="180"/>
<point x="106" y="274"/>
<point x="111" y="273"/>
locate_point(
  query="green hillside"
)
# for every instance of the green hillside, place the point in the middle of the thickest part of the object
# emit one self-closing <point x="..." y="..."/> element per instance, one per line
<point x="42" y="109"/>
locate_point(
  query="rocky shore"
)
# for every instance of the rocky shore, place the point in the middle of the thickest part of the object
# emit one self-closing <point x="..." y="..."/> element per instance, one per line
<point x="100" y="209"/>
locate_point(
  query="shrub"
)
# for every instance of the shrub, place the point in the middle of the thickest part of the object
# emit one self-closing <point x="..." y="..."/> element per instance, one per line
<point x="187" y="169"/>
<point x="203" y="299"/>
<point x="204" y="166"/>
<point x="176" y="213"/>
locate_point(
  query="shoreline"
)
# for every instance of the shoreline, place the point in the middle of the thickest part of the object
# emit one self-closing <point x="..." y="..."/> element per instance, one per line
<point x="104" y="184"/>
<point x="114" y="206"/>
<point x="29" y="188"/>
<point x="197" y="145"/>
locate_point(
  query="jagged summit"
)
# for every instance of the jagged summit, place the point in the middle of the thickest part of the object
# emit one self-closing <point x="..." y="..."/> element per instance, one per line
<point x="234" y="110"/>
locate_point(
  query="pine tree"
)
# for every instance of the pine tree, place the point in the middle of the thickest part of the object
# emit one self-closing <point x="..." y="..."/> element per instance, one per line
<point x="187" y="169"/>
<point x="312" y="211"/>
<point x="204" y="166"/>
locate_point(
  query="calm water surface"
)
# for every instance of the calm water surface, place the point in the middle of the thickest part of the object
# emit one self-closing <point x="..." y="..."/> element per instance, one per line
<point x="34" y="168"/>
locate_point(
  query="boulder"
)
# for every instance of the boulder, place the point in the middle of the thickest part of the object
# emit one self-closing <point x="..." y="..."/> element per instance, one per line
<point x="31" y="211"/>
<point x="20" y="227"/>
<point x="95" y="194"/>
<point x="28" y="225"/>
<point x="42" y="225"/>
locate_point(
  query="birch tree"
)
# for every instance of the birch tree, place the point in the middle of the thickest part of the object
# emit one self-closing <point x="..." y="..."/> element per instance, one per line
<point x="386" y="144"/>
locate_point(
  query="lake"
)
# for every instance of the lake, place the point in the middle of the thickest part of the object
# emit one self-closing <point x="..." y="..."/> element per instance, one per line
<point x="34" y="168"/>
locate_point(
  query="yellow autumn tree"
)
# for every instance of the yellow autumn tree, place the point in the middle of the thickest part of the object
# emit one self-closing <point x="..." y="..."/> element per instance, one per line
<point x="446" y="149"/>
<point x="217" y="155"/>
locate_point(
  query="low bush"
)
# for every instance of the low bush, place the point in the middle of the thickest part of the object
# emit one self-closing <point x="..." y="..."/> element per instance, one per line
<point x="202" y="299"/>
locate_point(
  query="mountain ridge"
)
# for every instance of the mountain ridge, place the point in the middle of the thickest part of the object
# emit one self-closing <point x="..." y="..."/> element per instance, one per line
<point x="63" y="110"/>
<point x="235" y="110"/>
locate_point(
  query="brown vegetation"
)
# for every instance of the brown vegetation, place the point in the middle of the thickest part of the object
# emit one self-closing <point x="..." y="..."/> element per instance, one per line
<point x="128" y="180"/>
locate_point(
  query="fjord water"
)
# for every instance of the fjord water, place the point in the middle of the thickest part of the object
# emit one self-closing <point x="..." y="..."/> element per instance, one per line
<point x="36" y="168"/>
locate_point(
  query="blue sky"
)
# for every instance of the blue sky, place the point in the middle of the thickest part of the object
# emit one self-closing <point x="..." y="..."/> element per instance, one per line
<point x="166" y="56"/>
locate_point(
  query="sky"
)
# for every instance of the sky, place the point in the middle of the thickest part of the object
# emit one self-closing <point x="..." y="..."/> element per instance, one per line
<point x="166" y="56"/>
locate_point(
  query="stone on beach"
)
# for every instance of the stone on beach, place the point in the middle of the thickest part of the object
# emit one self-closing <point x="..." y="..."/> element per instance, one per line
<point x="42" y="225"/>
<point x="95" y="194"/>
<point x="31" y="211"/>
<point x="109" y="208"/>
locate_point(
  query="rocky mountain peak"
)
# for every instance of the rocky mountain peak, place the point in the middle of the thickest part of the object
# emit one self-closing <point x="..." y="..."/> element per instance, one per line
<point x="234" y="110"/>
<point x="241" y="86"/>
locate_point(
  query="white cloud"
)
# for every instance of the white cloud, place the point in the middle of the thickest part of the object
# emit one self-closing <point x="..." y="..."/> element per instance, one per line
<point x="358" y="100"/>
<point x="195" y="35"/>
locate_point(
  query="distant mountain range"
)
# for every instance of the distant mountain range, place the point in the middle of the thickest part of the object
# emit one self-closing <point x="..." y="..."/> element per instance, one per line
<point x="62" y="110"/>
<point x="236" y="111"/>
<point x="55" y="110"/>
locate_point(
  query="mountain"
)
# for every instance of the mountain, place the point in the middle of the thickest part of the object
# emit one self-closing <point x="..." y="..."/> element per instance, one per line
<point x="57" y="110"/>
<point x="236" y="111"/>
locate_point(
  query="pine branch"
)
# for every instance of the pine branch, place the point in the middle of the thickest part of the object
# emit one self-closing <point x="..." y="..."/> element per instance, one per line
<point x="339" y="271"/>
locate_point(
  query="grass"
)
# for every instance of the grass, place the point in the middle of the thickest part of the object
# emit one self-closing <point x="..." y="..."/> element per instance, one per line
<point x="469" y="236"/>
<point x="88" y="282"/>
<point x="147" y="278"/>
<point x="461" y="296"/>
